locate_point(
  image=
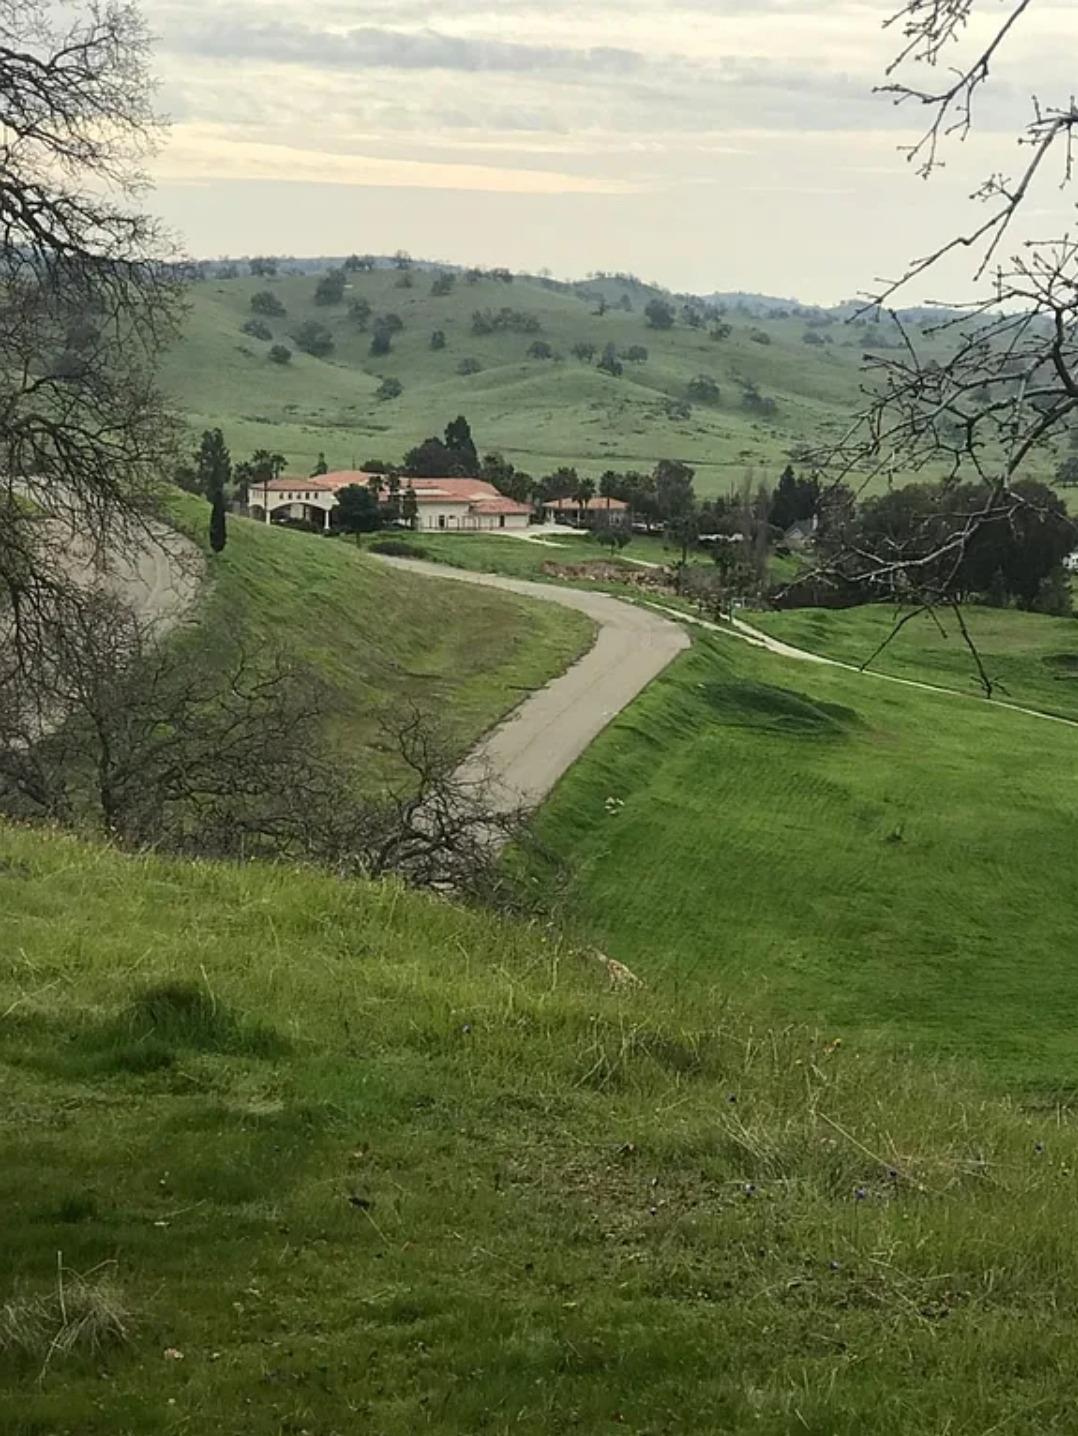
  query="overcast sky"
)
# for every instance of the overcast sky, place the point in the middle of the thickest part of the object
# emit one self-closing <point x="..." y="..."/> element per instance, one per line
<point x="708" y="144"/>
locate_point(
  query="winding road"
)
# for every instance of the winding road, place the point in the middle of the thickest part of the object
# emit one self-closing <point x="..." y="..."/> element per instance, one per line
<point x="527" y="754"/>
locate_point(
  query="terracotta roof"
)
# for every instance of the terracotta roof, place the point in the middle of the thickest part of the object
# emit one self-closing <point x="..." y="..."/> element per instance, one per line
<point x="597" y="505"/>
<point x="498" y="505"/>
<point x="323" y="483"/>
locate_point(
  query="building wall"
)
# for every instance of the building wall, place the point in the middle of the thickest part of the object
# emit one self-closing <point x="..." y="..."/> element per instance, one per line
<point x="455" y="518"/>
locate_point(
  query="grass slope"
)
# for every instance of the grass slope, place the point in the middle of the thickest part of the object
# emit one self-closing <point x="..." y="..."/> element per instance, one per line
<point x="890" y="863"/>
<point x="540" y="413"/>
<point x="342" y="1159"/>
<point x="382" y="638"/>
<point x="1032" y="659"/>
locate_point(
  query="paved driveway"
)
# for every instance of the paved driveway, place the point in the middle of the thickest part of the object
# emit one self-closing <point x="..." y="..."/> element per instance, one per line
<point x="544" y="736"/>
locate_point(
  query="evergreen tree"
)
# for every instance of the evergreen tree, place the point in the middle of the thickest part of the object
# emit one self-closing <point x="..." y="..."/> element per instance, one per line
<point x="458" y="439"/>
<point x="410" y="507"/>
<point x="321" y="467"/>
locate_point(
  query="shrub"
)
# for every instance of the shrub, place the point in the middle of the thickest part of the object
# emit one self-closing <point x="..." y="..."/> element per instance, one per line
<point x="314" y="338"/>
<point x="397" y="548"/>
<point x="540" y="350"/>
<point x="704" y="389"/>
<point x="389" y="389"/>
<point x="759" y="337"/>
<point x="281" y="354"/>
<point x="266" y="303"/>
<point x="659" y="314"/>
<point x="635" y="354"/>
<point x="258" y="329"/>
<point x="330" y="288"/>
<point x="437" y="339"/>
<point x="469" y="366"/>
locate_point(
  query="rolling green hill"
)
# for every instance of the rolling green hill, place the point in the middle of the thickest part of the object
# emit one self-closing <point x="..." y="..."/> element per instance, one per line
<point x="283" y="1154"/>
<point x="540" y="413"/>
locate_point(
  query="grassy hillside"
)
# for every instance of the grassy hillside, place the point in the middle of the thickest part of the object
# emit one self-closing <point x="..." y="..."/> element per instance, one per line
<point x="540" y="413"/>
<point x="305" y="1156"/>
<point x="381" y="637"/>
<point x="1032" y="659"/>
<point x="892" y="864"/>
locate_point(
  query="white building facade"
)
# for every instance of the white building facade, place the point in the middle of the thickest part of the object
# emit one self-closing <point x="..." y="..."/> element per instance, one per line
<point x="453" y="505"/>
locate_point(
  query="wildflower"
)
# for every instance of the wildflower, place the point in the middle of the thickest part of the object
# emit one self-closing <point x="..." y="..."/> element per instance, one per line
<point x="172" y="1354"/>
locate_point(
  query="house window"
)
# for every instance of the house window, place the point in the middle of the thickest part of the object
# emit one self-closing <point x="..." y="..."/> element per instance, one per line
<point x="441" y="521"/>
<point x="501" y="521"/>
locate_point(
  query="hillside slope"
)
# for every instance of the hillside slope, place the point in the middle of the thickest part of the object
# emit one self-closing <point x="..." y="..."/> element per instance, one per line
<point x="540" y="412"/>
<point x="382" y="638"/>
<point x="893" y="864"/>
<point x="284" y="1154"/>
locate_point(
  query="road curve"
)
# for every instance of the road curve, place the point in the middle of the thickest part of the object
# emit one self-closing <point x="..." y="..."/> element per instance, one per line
<point x="527" y="754"/>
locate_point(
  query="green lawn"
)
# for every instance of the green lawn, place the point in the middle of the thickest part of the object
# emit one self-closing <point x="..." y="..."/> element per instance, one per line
<point x="893" y="865"/>
<point x="382" y="637"/>
<point x="1031" y="659"/>
<point x="342" y="1159"/>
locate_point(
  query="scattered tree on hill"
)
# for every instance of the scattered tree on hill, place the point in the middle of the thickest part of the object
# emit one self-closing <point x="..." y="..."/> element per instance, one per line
<point x="635" y="354"/>
<point x="758" y="403"/>
<point x="402" y="260"/>
<point x="759" y="336"/>
<point x="540" y="349"/>
<point x="330" y="288"/>
<point x="692" y="316"/>
<point x="437" y="339"/>
<point x="609" y="362"/>
<point x="389" y="389"/>
<point x="281" y="354"/>
<point x="352" y="264"/>
<point x="381" y="338"/>
<point x="584" y="351"/>
<point x="263" y="267"/>
<point x="357" y="510"/>
<point x="443" y="284"/>
<point x="257" y="329"/>
<point x="813" y="337"/>
<point x="659" y="314"/>
<point x="359" y="312"/>
<point x="720" y="331"/>
<point x="404" y="280"/>
<point x="1067" y="472"/>
<point x="704" y="389"/>
<point x="265" y="302"/>
<point x="469" y="366"/>
<point x="314" y="339"/>
<point x="320" y="467"/>
<point x="504" y="320"/>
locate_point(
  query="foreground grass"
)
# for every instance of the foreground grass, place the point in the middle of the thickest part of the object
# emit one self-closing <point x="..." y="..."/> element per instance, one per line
<point x="339" y="1158"/>
<point x="382" y="638"/>
<point x="895" y="864"/>
<point x="1032" y="659"/>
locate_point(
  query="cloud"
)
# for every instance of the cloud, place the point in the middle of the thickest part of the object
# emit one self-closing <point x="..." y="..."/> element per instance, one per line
<point x="196" y="153"/>
<point x="370" y="47"/>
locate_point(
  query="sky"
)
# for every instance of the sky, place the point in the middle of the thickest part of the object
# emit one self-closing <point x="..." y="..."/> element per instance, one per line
<point x="705" y="144"/>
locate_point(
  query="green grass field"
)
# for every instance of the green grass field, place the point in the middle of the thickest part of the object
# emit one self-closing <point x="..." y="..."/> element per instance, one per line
<point x="893" y="865"/>
<point x="310" y="1156"/>
<point x="540" y="413"/>
<point x="382" y="638"/>
<point x="1032" y="660"/>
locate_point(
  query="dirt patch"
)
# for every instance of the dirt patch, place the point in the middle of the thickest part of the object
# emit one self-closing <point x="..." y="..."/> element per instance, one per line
<point x="597" y="571"/>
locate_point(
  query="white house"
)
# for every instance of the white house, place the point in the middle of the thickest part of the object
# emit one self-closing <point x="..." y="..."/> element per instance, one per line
<point x="444" y="505"/>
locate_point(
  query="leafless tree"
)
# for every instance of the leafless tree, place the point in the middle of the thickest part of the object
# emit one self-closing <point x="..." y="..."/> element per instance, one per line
<point x="1001" y="376"/>
<point x="165" y="744"/>
<point x="87" y="298"/>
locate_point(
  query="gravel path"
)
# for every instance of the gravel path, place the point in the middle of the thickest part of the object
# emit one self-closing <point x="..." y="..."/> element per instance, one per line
<point x="529" y="752"/>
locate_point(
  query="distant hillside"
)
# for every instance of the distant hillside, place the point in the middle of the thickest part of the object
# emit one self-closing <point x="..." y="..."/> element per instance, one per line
<point x="775" y="390"/>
